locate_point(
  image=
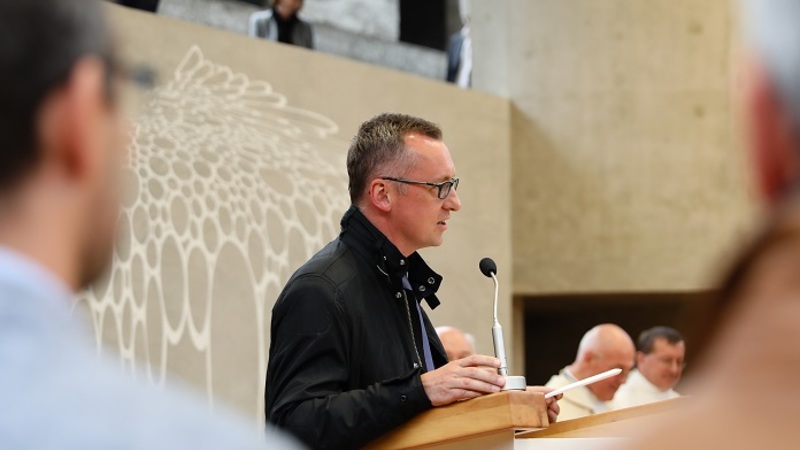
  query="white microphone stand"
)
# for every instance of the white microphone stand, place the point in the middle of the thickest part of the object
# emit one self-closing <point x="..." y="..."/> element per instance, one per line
<point x="513" y="383"/>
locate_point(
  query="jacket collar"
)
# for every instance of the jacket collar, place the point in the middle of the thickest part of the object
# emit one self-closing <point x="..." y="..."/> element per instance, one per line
<point x="359" y="233"/>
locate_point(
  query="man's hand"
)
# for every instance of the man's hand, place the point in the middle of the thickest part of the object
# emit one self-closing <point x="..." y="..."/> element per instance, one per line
<point x="552" y="403"/>
<point x="462" y="379"/>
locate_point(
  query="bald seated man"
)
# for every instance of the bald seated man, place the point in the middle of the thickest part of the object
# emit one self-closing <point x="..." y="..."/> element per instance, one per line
<point x="602" y="348"/>
<point x="457" y="344"/>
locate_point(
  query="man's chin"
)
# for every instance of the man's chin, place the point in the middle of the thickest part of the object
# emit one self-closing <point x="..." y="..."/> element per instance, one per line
<point x="668" y="386"/>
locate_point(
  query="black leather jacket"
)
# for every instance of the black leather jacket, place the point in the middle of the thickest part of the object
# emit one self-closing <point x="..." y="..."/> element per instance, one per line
<point x="345" y="357"/>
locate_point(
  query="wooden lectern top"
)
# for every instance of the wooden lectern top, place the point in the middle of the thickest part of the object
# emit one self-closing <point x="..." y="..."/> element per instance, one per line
<point x="512" y="410"/>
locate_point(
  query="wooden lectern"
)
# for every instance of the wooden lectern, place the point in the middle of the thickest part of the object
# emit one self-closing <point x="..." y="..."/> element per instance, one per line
<point x="488" y="422"/>
<point x="518" y="420"/>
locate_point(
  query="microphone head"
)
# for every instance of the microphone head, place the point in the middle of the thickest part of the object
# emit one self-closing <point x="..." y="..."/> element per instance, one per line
<point x="488" y="267"/>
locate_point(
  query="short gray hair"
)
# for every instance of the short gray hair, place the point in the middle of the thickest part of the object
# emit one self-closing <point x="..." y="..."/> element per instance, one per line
<point x="379" y="146"/>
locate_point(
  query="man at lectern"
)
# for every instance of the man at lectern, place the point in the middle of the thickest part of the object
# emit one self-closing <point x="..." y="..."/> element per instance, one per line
<point x="353" y="354"/>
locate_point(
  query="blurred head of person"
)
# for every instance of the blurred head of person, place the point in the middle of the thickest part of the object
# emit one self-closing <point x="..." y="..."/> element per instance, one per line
<point x="604" y="347"/>
<point x="770" y="106"/>
<point x="660" y="356"/>
<point x="61" y="136"/>
<point x="288" y="9"/>
<point x="772" y="95"/>
<point x="457" y="344"/>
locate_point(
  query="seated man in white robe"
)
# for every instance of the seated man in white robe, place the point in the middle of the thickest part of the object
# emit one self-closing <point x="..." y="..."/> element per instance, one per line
<point x="602" y="348"/>
<point x="659" y="366"/>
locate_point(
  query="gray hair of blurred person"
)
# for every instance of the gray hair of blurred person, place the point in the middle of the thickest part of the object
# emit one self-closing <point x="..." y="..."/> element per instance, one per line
<point x="36" y="56"/>
<point x="773" y="27"/>
<point x="379" y="149"/>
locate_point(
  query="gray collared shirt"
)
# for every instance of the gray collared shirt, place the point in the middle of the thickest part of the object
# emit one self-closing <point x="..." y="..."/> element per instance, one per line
<point x="56" y="392"/>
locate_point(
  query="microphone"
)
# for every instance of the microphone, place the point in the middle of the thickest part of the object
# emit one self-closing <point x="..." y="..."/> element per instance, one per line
<point x="513" y="383"/>
<point x="488" y="267"/>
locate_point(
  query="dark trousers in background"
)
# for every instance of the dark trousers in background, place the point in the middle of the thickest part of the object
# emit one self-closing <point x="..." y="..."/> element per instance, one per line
<point x="146" y="5"/>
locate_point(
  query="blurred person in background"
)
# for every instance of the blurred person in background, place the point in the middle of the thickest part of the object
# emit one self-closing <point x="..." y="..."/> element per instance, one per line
<point x="660" y="356"/>
<point x="457" y="344"/>
<point x="459" y="50"/>
<point x="602" y="348"/>
<point x="281" y="24"/>
<point x="61" y="155"/>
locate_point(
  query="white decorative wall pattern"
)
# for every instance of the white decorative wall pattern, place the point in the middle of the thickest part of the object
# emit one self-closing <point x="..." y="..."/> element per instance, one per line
<point x="231" y="189"/>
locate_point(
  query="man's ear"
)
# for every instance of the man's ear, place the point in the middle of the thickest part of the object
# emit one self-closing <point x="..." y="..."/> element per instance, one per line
<point x="774" y="143"/>
<point x="70" y="120"/>
<point x="380" y="195"/>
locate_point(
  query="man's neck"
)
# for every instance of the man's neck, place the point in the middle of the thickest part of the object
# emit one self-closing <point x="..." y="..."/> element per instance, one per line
<point x="577" y="372"/>
<point x="571" y="372"/>
<point x="34" y="226"/>
<point x="384" y="225"/>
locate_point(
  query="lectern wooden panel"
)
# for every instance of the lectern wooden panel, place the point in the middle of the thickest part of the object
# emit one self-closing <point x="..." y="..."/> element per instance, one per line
<point x="619" y="423"/>
<point x="490" y="422"/>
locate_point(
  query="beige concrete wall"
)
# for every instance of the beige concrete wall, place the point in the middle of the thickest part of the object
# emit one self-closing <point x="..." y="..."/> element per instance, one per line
<point x="237" y="176"/>
<point x="625" y="164"/>
<point x="623" y="169"/>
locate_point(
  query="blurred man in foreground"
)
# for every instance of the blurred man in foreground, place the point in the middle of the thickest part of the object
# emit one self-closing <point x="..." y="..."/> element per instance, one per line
<point x="747" y="391"/>
<point x="61" y="144"/>
<point x="602" y="348"/>
<point x="659" y="365"/>
<point x="457" y="344"/>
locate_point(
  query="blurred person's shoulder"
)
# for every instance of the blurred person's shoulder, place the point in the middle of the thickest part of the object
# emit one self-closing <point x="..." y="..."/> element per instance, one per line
<point x="173" y="416"/>
<point x="76" y="399"/>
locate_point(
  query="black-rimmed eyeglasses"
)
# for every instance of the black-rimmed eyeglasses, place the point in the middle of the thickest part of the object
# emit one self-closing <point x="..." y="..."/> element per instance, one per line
<point x="444" y="187"/>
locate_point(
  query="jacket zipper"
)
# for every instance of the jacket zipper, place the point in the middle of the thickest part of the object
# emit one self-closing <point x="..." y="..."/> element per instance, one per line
<point x="411" y="328"/>
<point x="408" y="316"/>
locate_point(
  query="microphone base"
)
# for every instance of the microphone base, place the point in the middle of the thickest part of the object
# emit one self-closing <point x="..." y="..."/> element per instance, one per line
<point x="515" y="383"/>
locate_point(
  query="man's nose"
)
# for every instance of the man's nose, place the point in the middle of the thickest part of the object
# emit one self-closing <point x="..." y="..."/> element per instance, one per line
<point x="452" y="202"/>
